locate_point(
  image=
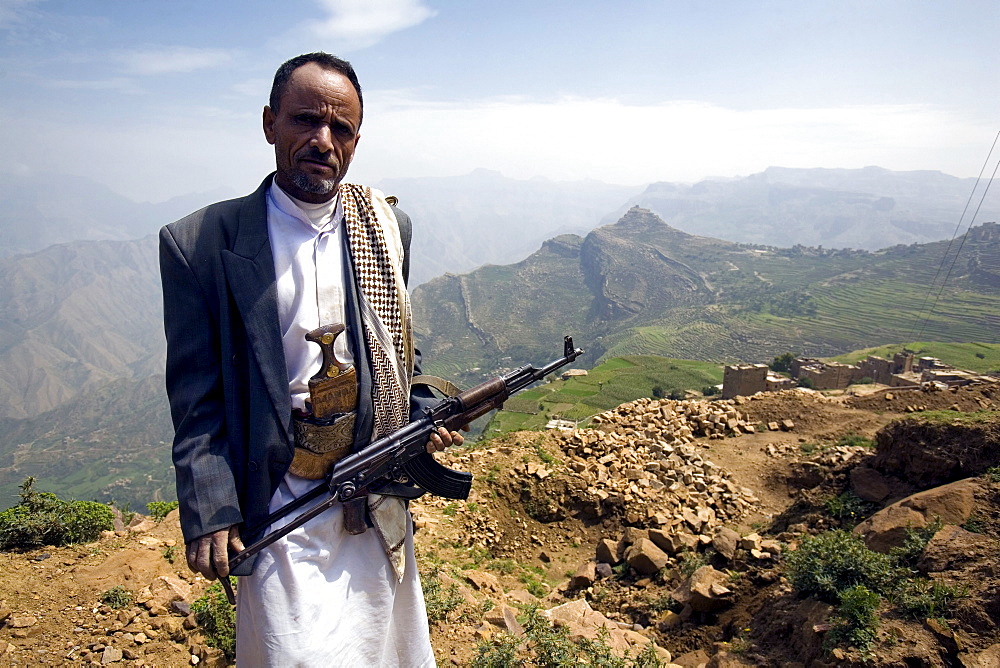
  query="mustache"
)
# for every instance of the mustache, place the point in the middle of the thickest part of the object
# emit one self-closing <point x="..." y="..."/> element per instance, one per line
<point x="312" y="153"/>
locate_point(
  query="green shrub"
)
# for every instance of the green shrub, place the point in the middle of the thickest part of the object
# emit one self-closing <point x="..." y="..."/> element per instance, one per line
<point x="217" y="618"/>
<point x="710" y="390"/>
<point x="438" y="599"/>
<point x="855" y="441"/>
<point x="922" y="598"/>
<point x="849" y="508"/>
<point x="159" y="509"/>
<point x="117" y="598"/>
<point x="691" y="561"/>
<point x="915" y="543"/>
<point x="832" y="562"/>
<point x="858" y="615"/>
<point x="42" y="518"/>
<point x="169" y="553"/>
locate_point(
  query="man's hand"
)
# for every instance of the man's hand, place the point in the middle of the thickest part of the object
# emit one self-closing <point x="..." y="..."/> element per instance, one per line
<point x="209" y="554"/>
<point x="442" y="438"/>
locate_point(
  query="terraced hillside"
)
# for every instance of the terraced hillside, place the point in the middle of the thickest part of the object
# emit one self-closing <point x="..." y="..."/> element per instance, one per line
<point x="640" y="286"/>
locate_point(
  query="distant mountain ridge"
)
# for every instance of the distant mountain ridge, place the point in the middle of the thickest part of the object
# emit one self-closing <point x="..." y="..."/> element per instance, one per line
<point x="34" y="214"/>
<point x="868" y="208"/>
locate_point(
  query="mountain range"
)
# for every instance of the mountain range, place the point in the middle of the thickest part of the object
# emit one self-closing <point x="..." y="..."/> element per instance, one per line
<point x="868" y="208"/>
<point x="81" y="343"/>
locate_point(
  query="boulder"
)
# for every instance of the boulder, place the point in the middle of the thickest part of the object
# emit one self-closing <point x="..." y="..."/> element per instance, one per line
<point x="704" y="591"/>
<point x="645" y="557"/>
<point x="988" y="658"/>
<point x="582" y="621"/>
<point x="164" y="590"/>
<point x="504" y="617"/>
<point x="953" y="546"/>
<point x="952" y="503"/>
<point x="806" y="475"/>
<point x="584" y="576"/>
<point x="869" y="484"/>
<point x="607" y="551"/>
<point x="483" y="581"/>
<point x="725" y="541"/>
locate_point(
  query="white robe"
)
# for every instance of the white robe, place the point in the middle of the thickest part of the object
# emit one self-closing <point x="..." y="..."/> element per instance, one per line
<point x="320" y="596"/>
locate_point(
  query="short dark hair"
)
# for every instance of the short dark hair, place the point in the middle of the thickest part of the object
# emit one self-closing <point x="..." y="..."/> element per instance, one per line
<point x="322" y="59"/>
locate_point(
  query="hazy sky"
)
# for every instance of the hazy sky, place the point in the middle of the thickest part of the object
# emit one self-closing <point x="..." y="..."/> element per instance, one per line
<point x="157" y="99"/>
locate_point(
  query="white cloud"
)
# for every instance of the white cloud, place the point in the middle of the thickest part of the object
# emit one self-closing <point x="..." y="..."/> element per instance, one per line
<point x="350" y="25"/>
<point x="195" y="148"/>
<point x="174" y="59"/>
<point x="604" y="139"/>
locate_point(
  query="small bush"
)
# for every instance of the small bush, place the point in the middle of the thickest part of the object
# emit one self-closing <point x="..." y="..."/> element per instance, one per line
<point x="922" y="598"/>
<point x="42" y="518"/>
<point x="692" y="561"/>
<point x="855" y="441"/>
<point x="915" y="543"/>
<point x="169" y="553"/>
<point x="835" y="561"/>
<point x="849" y="508"/>
<point x="160" y="509"/>
<point x="710" y="390"/>
<point x="858" y="615"/>
<point x="994" y="473"/>
<point x="438" y="599"/>
<point x="217" y="618"/>
<point x="117" y="598"/>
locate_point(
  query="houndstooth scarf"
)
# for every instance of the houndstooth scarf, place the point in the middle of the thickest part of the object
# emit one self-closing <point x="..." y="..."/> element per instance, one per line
<point x="385" y="312"/>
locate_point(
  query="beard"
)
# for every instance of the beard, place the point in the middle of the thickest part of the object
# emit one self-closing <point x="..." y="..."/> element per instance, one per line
<point x="316" y="187"/>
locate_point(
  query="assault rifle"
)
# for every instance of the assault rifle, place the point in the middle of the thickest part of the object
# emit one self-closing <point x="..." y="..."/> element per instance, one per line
<point x="402" y="456"/>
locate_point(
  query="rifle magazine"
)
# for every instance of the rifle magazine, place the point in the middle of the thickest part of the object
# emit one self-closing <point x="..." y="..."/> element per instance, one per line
<point x="437" y="479"/>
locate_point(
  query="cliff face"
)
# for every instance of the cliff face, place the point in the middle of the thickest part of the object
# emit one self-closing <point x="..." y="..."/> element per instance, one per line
<point x="628" y="267"/>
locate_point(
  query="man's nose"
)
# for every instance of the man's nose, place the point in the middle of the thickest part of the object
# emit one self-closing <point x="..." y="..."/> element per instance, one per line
<point x="322" y="139"/>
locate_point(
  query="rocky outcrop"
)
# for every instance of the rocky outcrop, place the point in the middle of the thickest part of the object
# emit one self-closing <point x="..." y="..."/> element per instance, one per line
<point x="927" y="454"/>
<point x="952" y="504"/>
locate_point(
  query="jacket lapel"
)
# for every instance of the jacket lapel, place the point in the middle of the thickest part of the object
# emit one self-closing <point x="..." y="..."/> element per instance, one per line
<point x="249" y="268"/>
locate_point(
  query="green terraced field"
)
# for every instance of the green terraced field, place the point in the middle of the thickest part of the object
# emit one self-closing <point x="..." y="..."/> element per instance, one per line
<point x="611" y="383"/>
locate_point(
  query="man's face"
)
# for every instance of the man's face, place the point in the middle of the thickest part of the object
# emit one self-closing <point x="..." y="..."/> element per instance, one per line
<point x="314" y="132"/>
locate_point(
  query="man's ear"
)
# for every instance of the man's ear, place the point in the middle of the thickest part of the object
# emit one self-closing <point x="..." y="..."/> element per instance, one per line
<point x="268" y="122"/>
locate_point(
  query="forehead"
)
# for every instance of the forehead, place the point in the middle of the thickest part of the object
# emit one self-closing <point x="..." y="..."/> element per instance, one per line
<point x="313" y="85"/>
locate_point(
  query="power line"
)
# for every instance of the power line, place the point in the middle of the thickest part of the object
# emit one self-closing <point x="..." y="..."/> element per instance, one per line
<point x="965" y="237"/>
<point x="914" y="336"/>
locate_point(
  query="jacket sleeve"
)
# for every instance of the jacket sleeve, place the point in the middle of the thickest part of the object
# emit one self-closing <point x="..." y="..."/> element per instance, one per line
<point x="206" y="488"/>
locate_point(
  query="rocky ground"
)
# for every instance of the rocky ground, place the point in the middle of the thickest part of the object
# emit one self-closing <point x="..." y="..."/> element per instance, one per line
<point x="664" y="521"/>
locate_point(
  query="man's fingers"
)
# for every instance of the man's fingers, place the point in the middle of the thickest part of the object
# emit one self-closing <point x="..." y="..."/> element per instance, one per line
<point x="442" y="438"/>
<point x="235" y="542"/>
<point x="203" y="556"/>
<point x="220" y="552"/>
<point x="192" y="555"/>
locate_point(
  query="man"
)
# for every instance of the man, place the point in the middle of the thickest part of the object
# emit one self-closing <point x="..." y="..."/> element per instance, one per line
<point x="244" y="281"/>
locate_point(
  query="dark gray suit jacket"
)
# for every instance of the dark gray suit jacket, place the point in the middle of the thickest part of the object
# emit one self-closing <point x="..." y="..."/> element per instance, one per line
<point x="226" y="376"/>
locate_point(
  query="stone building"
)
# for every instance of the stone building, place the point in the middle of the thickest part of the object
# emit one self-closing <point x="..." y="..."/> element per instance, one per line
<point x="743" y="380"/>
